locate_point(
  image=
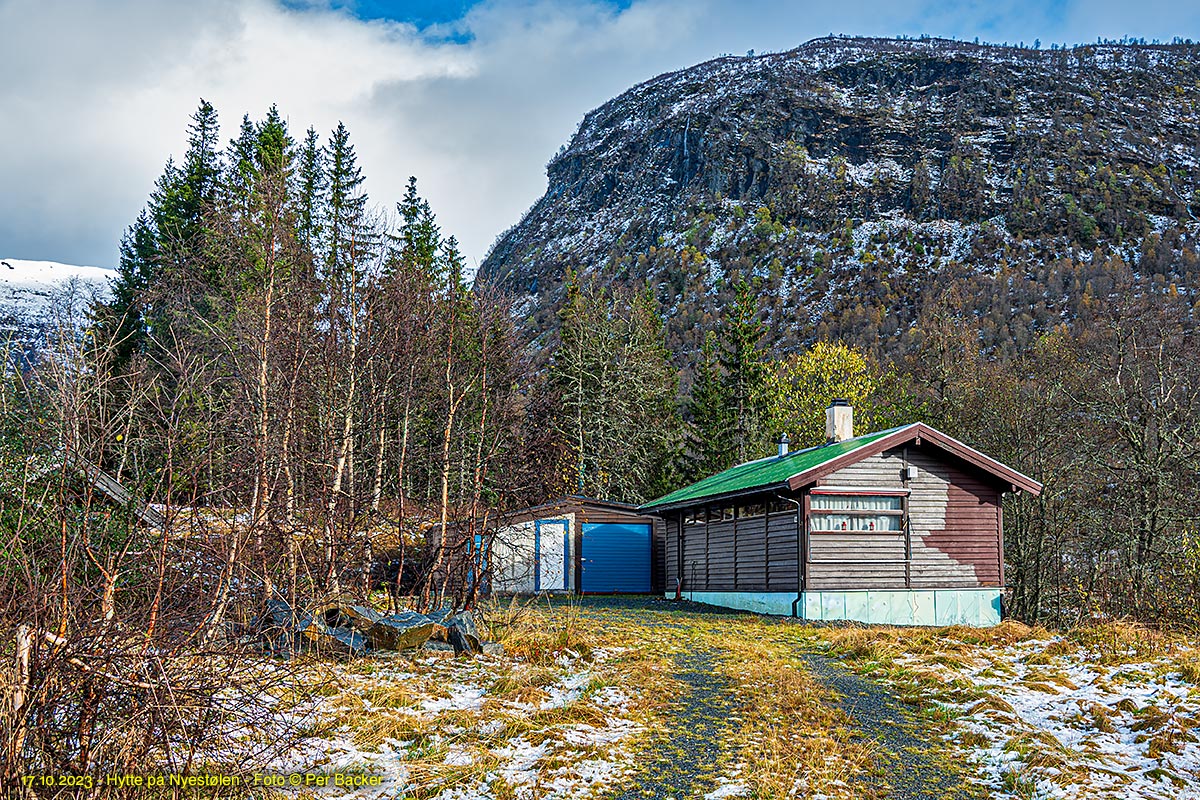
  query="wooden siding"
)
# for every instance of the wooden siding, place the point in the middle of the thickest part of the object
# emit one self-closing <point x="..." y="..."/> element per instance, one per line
<point x="953" y="513"/>
<point x="782" y="549"/>
<point x="720" y="556"/>
<point x="953" y="522"/>
<point x="671" y="552"/>
<point x="750" y="568"/>
<point x="695" y="562"/>
<point x="972" y="532"/>
<point x="765" y="548"/>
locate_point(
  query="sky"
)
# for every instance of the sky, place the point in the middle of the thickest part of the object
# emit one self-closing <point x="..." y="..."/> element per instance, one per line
<point x="473" y="98"/>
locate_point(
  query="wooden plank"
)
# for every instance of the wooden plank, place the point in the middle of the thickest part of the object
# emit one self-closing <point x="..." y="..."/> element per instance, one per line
<point x="750" y="564"/>
<point x="111" y="488"/>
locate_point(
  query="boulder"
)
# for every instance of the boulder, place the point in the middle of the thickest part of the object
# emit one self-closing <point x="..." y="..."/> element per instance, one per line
<point x="442" y="618"/>
<point x="463" y="632"/>
<point x="400" y="631"/>
<point x="441" y="615"/>
<point x="281" y="626"/>
<point x="438" y="647"/>
<point x="327" y="638"/>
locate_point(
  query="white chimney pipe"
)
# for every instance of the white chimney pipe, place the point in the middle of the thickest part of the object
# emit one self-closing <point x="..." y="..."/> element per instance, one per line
<point x="784" y="441"/>
<point x="839" y="421"/>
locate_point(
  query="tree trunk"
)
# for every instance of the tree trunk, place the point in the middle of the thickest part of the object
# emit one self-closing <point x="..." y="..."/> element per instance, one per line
<point x="20" y="693"/>
<point x="381" y="441"/>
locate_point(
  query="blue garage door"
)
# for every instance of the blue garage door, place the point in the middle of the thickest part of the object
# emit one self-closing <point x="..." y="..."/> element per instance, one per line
<point x="616" y="557"/>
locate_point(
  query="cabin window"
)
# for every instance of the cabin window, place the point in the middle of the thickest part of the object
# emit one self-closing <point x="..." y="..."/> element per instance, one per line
<point x="756" y="510"/>
<point x="694" y="517"/>
<point x="725" y="512"/>
<point x="857" y="513"/>
<point x="781" y="507"/>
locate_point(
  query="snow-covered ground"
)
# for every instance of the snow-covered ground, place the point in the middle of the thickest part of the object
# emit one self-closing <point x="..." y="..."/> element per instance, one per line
<point x="454" y="729"/>
<point x="26" y="287"/>
<point x="1053" y="718"/>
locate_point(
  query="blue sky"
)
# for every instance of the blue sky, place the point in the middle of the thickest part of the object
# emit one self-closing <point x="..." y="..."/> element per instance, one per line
<point x="471" y="97"/>
<point x="421" y="13"/>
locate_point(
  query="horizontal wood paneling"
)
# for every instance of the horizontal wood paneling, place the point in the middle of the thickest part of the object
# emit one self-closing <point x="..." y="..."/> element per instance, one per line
<point x="694" y="552"/>
<point x="954" y="523"/>
<point x="751" y="563"/>
<point x="953" y="519"/>
<point x="720" y="556"/>
<point x="783" y="570"/>
<point x="671" y="571"/>
<point x="882" y="553"/>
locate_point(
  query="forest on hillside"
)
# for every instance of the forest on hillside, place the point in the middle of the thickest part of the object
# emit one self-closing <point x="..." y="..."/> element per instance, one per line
<point x="316" y="399"/>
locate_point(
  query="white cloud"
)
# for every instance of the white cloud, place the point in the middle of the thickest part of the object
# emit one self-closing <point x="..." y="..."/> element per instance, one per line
<point x="94" y="96"/>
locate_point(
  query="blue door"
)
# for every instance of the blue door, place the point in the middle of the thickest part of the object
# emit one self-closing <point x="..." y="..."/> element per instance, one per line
<point x="616" y="557"/>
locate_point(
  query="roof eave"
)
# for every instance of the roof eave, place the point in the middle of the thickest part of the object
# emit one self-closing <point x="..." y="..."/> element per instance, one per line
<point x="657" y="510"/>
<point x="1019" y="481"/>
<point x="915" y="431"/>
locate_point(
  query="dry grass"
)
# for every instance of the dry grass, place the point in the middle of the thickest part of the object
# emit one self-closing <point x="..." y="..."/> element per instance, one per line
<point x="1124" y="642"/>
<point x="990" y="703"/>
<point x="1001" y="662"/>
<point x="1040" y="750"/>
<point x="538" y="633"/>
<point x="560" y="670"/>
<point x="791" y="736"/>
<point x="786" y="738"/>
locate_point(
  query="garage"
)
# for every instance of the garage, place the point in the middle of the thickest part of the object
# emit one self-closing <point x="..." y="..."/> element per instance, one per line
<point x="576" y="545"/>
<point x="616" y="558"/>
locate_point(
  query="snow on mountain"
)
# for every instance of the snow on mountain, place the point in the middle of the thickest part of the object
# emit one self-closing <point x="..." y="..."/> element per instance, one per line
<point x="27" y="287"/>
<point x="857" y="181"/>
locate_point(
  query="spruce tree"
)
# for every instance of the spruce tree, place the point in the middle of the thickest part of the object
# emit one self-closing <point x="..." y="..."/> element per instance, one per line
<point x="452" y="264"/>
<point x="420" y="239"/>
<point x="710" y="422"/>
<point x="310" y="191"/>
<point x="186" y="194"/>
<point x="241" y="170"/>
<point x="745" y="374"/>
<point x="170" y="235"/>
<point x="274" y="147"/>
<point x="346" y="200"/>
<point x="123" y="322"/>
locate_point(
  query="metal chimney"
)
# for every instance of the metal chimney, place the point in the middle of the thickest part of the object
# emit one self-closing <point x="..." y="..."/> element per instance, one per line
<point x="839" y="421"/>
<point x="784" y="441"/>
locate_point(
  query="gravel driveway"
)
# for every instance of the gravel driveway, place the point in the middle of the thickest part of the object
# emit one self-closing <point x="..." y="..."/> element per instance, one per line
<point x="682" y="764"/>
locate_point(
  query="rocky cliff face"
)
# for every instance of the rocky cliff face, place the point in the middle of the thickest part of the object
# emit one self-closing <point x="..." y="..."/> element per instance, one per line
<point x="852" y="178"/>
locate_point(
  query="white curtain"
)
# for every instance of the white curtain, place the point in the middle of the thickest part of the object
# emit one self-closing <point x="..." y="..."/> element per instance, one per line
<point x="847" y="522"/>
<point x="847" y="502"/>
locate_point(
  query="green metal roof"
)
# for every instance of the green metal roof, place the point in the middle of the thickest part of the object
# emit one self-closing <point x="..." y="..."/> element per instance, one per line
<point x="765" y="472"/>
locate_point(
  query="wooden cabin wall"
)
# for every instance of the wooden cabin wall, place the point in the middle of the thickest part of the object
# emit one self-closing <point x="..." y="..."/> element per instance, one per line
<point x="954" y="519"/>
<point x="671" y="551"/>
<point x="720" y="556"/>
<point x="756" y="554"/>
<point x="782" y="553"/>
<point x="955" y="529"/>
<point x="750" y="546"/>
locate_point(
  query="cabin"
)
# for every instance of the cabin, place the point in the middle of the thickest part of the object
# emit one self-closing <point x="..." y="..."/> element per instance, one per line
<point x="577" y="545"/>
<point x="902" y="526"/>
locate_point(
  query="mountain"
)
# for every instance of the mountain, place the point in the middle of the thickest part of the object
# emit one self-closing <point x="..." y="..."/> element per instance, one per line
<point x="34" y="295"/>
<point x="861" y="183"/>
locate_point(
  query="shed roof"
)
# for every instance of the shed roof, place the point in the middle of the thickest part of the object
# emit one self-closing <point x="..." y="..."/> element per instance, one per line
<point x="802" y="467"/>
<point x="576" y="501"/>
<point x="566" y="505"/>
